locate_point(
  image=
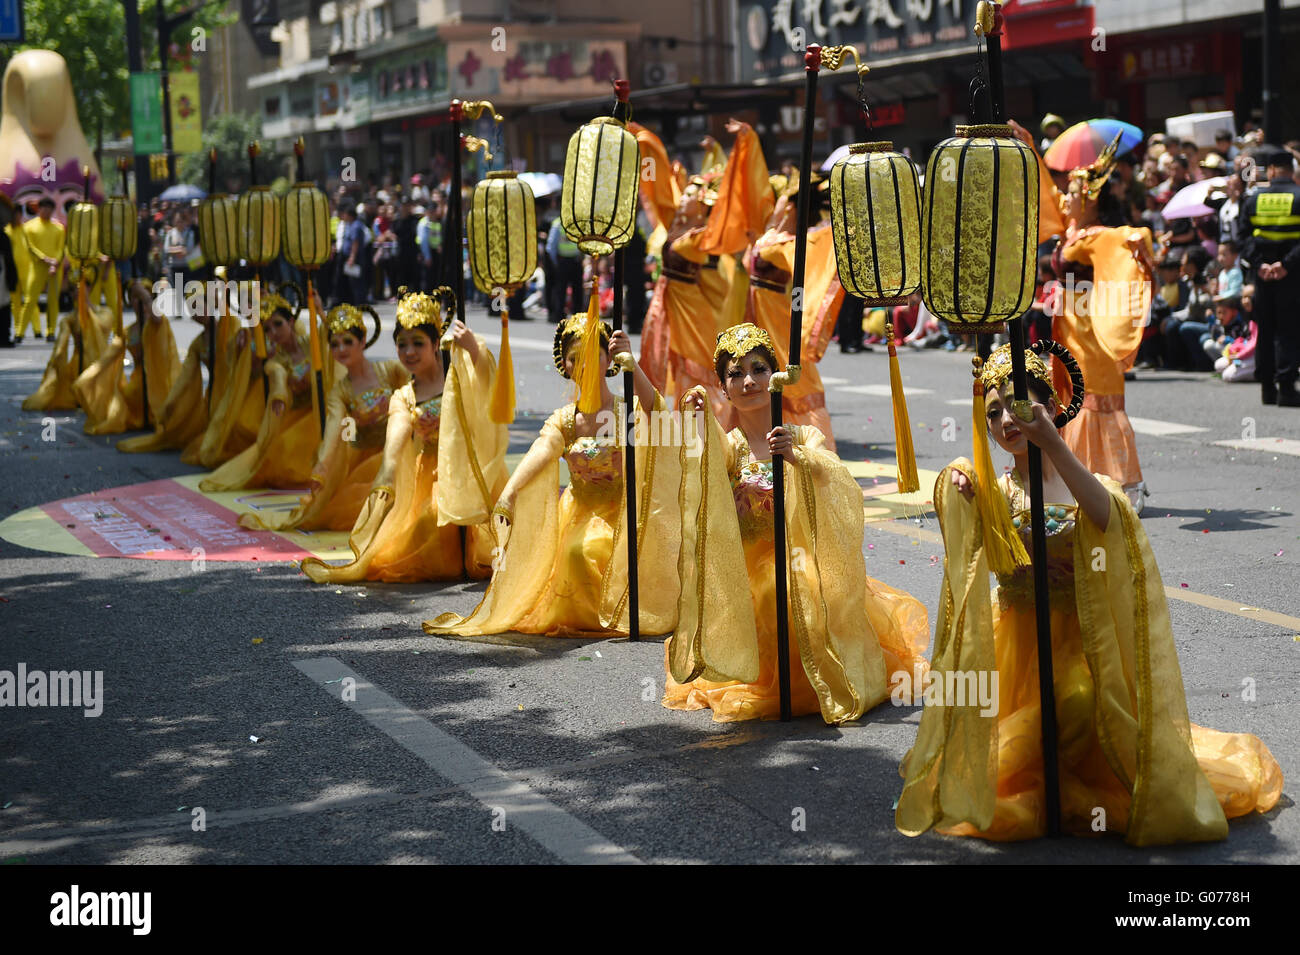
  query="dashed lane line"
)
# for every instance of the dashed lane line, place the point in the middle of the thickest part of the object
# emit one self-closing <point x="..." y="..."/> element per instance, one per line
<point x="561" y="834"/>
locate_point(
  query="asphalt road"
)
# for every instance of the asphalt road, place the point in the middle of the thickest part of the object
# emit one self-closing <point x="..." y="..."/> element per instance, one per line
<point x="522" y="749"/>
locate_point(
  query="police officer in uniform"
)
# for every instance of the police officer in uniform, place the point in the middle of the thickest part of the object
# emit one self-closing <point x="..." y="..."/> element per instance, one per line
<point x="1268" y="234"/>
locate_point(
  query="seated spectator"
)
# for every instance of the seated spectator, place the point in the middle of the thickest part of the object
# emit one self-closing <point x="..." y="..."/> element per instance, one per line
<point x="1195" y="309"/>
<point x="1230" y="275"/>
<point x="1205" y="341"/>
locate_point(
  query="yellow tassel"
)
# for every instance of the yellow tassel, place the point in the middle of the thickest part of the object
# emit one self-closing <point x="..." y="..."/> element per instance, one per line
<point x="908" y="480"/>
<point x="1006" y="551"/>
<point x="259" y="340"/>
<point x="587" y="372"/>
<point x="501" y="406"/>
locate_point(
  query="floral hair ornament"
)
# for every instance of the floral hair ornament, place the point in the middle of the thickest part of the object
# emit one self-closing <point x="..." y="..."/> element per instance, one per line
<point x="739" y="340"/>
<point x="420" y="308"/>
<point x="344" y="318"/>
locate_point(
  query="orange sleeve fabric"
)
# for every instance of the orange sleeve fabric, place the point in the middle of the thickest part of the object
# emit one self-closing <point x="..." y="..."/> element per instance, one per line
<point x="657" y="186"/>
<point x="745" y="198"/>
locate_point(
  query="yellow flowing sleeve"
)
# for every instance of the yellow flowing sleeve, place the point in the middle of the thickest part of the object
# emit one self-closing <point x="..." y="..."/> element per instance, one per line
<point x="658" y="480"/>
<point x="838" y="645"/>
<point x="1141" y="710"/>
<point x="183" y="413"/>
<point x="471" y="447"/>
<point x="745" y="198"/>
<point x="951" y="771"/>
<point x="234" y="381"/>
<point x="715" y="636"/>
<point x="99" y="391"/>
<point x="161" y="361"/>
<point x="525" y="556"/>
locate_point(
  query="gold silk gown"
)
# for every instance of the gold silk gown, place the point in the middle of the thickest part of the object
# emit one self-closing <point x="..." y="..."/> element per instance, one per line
<point x="114" y="403"/>
<point x="844" y="648"/>
<point x="286" y="446"/>
<point x="1126" y="745"/>
<point x="428" y="513"/>
<point x="238" y="401"/>
<point x="563" y="569"/>
<point x="770" y="263"/>
<point x="81" y="338"/>
<point x="345" y="468"/>
<point x="183" y="415"/>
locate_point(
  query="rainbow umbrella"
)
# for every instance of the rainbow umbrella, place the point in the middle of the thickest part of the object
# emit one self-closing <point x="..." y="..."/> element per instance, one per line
<point x="1082" y="143"/>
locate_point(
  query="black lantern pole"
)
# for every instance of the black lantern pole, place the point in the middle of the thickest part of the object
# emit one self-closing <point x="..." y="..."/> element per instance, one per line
<point x="988" y="17"/>
<point x="214" y="321"/>
<point x="453" y="269"/>
<point x="622" y="113"/>
<point x="812" y="63"/>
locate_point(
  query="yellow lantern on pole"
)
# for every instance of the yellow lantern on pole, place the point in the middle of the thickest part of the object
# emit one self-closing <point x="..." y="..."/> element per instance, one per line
<point x="980" y="229"/>
<point x="219" y="229"/>
<point x="598" y="199"/>
<point x="257" y="235"/>
<point x="876" y="226"/>
<point x="118" y="232"/>
<point x="502" y="255"/>
<point x="307" y="246"/>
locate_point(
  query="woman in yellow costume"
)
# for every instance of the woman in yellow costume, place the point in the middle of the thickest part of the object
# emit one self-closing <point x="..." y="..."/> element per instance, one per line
<point x="850" y="634"/>
<point x="356" y="420"/>
<point x="82" y="337"/>
<point x="183" y="414"/>
<point x="770" y="263"/>
<point x="1125" y="743"/>
<point x="1106" y="271"/>
<point x="561" y="567"/>
<point x="290" y="432"/>
<point x="114" y="403"/>
<point x="428" y="513"/>
<point x="694" y="298"/>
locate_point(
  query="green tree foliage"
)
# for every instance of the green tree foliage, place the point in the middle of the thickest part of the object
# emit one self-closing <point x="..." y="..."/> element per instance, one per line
<point x="229" y="134"/>
<point x="91" y="36"/>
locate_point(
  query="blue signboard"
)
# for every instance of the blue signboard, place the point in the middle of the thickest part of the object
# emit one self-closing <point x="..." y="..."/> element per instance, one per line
<point x="11" y="21"/>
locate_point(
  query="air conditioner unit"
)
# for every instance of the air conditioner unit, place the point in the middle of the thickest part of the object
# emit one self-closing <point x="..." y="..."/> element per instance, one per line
<point x="659" y="74"/>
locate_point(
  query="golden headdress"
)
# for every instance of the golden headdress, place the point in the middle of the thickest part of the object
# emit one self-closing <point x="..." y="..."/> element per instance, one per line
<point x="1002" y="542"/>
<point x="343" y="318"/>
<point x="593" y="337"/>
<point x="703" y="187"/>
<point x="575" y="325"/>
<point x="273" y="302"/>
<point x="739" y="340"/>
<point x="421" y="308"/>
<point x="1091" y="178"/>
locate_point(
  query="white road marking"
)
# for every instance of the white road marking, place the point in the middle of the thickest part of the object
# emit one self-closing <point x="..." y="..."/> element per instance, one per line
<point x="1159" y="428"/>
<point x="882" y="391"/>
<point x="1268" y="445"/>
<point x="834" y="381"/>
<point x="516" y="341"/>
<point x="568" y="838"/>
<point x="958" y="401"/>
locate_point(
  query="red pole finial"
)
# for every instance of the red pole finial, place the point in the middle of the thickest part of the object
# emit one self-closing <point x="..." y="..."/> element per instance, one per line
<point x="997" y="20"/>
<point x="812" y="58"/>
<point x="299" y="147"/>
<point x="622" y="89"/>
<point x="457" y="111"/>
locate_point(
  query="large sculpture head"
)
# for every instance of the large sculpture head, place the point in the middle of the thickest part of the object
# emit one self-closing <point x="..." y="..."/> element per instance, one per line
<point x="42" y="147"/>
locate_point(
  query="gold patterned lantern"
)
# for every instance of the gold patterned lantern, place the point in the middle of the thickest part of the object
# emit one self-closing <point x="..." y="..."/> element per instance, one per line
<point x="876" y="224"/>
<point x="83" y="225"/>
<point x="502" y="232"/>
<point x="980" y="229"/>
<point x="598" y="199"/>
<point x="257" y="235"/>
<point x="118" y="229"/>
<point x="219" y="229"/>
<point x="307" y="242"/>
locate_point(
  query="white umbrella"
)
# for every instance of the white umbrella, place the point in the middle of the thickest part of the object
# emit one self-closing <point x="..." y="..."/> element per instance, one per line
<point x="542" y="183"/>
<point x="835" y="157"/>
<point x="1189" y="201"/>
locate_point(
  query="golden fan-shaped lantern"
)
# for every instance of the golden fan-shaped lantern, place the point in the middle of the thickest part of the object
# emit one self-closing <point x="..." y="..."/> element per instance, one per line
<point x="598" y="199"/>
<point x="876" y="224"/>
<point x="502" y="232"/>
<point x="980" y="229"/>
<point x="306" y="226"/>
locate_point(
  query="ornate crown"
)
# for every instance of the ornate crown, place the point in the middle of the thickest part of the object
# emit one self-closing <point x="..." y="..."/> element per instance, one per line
<point x="1092" y="178"/>
<point x="343" y="318"/>
<point x="739" y="340"/>
<point x="273" y="302"/>
<point x="573" y="325"/>
<point x="995" y="372"/>
<point x="421" y="308"/>
<point x="997" y="369"/>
